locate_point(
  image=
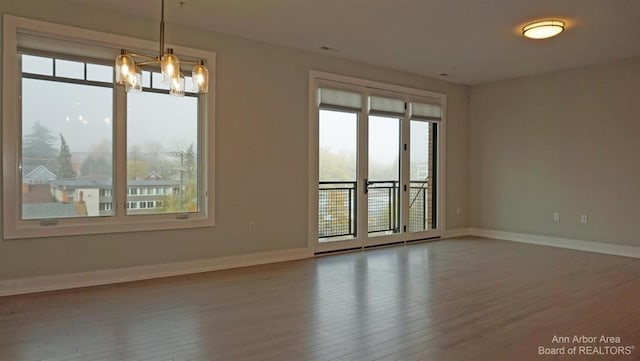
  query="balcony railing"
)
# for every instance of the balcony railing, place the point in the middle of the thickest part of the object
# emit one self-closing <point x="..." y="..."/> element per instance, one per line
<point x="337" y="207"/>
<point x="383" y="206"/>
<point x="419" y="218"/>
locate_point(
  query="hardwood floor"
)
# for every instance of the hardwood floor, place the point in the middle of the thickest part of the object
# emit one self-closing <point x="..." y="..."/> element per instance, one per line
<point x="464" y="299"/>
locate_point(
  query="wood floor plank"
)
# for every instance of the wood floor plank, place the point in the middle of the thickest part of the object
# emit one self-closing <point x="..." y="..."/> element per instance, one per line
<point x="464" y="299"/>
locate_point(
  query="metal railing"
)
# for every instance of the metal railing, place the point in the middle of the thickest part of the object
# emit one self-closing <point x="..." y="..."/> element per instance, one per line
<point x="418" y="212"/>
<point x="383" y="207"/>
<point x="337" y="207"/>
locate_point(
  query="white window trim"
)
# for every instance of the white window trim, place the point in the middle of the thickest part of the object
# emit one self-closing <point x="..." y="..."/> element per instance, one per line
<point x="318" y="79"/>
<point x="13" y="226"/>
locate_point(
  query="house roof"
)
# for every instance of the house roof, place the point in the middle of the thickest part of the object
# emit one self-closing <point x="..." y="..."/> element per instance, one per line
<point x="45" y="210"/>
<point x="30" y="170"/>
<point x="107" y="183"/>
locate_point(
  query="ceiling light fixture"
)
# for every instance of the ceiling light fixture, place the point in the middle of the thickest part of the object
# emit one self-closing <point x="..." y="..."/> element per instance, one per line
<point x="128" y="71"/>
<point x="543" y="29"/>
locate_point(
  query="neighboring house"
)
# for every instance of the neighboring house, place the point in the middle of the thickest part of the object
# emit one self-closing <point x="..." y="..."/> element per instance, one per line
<point x="146" y="194"/>
<point x="143" y="196"/>
<point x="85" y="191"/>
<point x="39" y="174"/>
<point x="35" y="184"/>
<point x="153" y="175"/>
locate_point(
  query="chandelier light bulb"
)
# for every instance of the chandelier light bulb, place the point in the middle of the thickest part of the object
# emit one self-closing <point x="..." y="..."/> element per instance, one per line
<point x="200" y="75"/>
<point x="123" y="64"/>
<point x="169" y="66"/>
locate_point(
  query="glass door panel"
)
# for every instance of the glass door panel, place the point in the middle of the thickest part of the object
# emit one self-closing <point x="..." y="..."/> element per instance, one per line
<point x="383" y="181"/>
<point x="338" y="141"/>
<point x="422" y="155"/>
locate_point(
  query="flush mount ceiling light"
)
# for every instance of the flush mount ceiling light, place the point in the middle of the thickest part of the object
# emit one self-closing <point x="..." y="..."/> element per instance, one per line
<point x="128" y="71"/>
<point x="543" y="29"/>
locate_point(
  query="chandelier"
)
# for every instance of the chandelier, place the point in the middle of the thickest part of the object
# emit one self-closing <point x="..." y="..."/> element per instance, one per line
<point x="128" y="71"/>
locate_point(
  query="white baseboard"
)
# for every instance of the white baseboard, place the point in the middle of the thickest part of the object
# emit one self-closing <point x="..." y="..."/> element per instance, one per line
<point x="457" y="232"/>
<point x="588" y="246"/>
<point x="102" y="277"/>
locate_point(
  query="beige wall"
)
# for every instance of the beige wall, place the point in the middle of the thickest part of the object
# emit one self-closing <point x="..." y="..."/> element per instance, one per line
<point x="261" y="152"/>
<point x="567" y="142"/>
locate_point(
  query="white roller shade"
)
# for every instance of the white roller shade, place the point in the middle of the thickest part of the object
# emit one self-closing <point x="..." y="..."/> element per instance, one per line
<point x="78" y="48"/>
<point x="339" y="98"/>
<point x="386" y="105"/>
<point x="426" y="111"/>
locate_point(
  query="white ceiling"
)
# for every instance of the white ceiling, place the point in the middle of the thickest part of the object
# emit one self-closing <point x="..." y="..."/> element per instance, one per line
<point x="474" y="41"/>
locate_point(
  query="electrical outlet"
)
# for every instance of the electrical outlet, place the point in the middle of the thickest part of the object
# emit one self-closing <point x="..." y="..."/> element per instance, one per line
<point x="252" y="227"/>
<point x="556" y="216"/>
<point x="458" y="210"/>
<point x="584" y="219"/>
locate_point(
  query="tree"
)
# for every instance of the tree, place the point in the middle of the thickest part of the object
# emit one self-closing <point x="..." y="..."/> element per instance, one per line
<point x="384" y="171"/>
<point x="186" y="199"/>
<point x="37" y="147"/>
<point x="190" y="166"/>
<point x="155" y="158"/>
<point x="137" y="164"/>
<point x="190" y="180"/>
<point x="98" y="162"/>
<point x="337" y="166"/>
<point x="64" y="167"/>
<point x="338" y="210"/>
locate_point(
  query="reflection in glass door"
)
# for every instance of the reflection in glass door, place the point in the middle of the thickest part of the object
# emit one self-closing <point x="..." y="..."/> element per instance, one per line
<point x="383" y="181"/>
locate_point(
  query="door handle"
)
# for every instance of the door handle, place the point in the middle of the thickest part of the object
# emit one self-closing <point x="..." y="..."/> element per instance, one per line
<point x="366" y="186"/>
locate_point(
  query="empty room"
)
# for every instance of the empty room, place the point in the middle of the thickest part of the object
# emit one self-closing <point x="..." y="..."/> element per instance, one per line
<point x="191" y="180"/>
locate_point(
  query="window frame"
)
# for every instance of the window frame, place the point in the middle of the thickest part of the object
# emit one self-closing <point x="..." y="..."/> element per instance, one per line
<point x="106" y="46"/>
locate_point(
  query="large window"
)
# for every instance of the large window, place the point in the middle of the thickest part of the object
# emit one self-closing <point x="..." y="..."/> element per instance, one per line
<point x="81" y="155"/>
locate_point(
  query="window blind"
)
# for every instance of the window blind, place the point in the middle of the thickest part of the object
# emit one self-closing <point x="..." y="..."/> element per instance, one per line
<point x="386" y="105"/>
<point x="339" y="98"/>
<point x="426" y="111"/>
